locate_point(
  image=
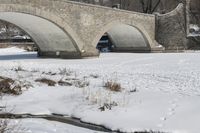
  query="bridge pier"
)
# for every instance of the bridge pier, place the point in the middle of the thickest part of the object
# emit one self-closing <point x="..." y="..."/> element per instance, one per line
<point x="59" y="54"/>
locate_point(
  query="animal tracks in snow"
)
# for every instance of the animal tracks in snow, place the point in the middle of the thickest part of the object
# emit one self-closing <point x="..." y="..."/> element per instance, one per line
<point x="171" y="111"/>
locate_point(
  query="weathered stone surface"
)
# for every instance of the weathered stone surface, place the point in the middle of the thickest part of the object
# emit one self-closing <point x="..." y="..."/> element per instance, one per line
<point x="83" y="24"/>
<point x="128" y="38"/>
<point x="48" y="36"/>
<point x="171" y="31"/>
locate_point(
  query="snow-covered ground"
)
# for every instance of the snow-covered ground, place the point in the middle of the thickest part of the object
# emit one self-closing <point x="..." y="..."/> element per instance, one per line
<point x="167" y="96"/>
<point x="44" y="126"/>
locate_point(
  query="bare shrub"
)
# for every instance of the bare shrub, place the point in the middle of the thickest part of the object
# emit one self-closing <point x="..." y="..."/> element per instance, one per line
<point x="49" y="82"/>
<point x="108" y="106"/>
<point x="4" y="84"/>
<point x="49" y="73"/>
<point x="95" y="76"/>
<point x="7" y="86"/>
<point x="64" y="83"/>
<point x="113" y="86"/>
<point x="7" y="79"/>
<point x="73" y="81"/>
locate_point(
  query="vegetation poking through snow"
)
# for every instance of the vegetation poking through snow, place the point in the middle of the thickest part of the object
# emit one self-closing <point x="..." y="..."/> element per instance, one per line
<point x="49" y="82"/>
<point x="49" y="73"/>
<point x="113" y="86"/>
<point x="95" y="76"/>
<point x="9" y="86"/>
<point x="7" y="79"/>
<point x="133" y="90"/>
<point x="108" y="106"/>
<point x="64" y="83"/>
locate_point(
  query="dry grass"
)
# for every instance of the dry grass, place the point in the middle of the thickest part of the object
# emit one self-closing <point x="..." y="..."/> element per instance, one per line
<point x="95" y="76"/>
<point x="49" y="82"/>
<point x="113" y="86"/>
<point x="64" y="83"/>
<point x="7" y="86"/>
<point x="7" y="79"/>
<point x="108" y="106"/>
<point x="49" y="73"/>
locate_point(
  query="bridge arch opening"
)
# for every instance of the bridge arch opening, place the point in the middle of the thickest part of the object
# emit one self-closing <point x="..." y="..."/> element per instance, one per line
<point x="12" y="35"/>
<point x="51" y="40"/>
<point x="123" y="38"/>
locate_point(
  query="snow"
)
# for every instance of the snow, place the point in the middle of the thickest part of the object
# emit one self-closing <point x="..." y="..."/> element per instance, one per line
<point x="167" y="84"/>
<point x="195" y="30"/>
<point x="44" y="126"/>
<point x="195" y="27"/>
<point x="11" y="50"/>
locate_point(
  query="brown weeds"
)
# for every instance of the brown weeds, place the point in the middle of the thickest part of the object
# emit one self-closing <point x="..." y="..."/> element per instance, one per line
<point x="113" y="86"/>
<point x="7" y="86"/>
<point x="49" y="82"/>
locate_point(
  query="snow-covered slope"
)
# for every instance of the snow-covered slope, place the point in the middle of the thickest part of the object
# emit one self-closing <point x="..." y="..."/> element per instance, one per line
<point x="167" y="96"/>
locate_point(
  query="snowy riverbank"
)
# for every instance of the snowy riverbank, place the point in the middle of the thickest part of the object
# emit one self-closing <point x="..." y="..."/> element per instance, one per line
<point x="167" y="86"/>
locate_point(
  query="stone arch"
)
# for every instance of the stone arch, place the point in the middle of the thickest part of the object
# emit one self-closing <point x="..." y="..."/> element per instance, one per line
<point x="72" y="18"/>
<point x="134" y="30"/>
<point x="51" y="40"/>
<point x="36" y="9"/>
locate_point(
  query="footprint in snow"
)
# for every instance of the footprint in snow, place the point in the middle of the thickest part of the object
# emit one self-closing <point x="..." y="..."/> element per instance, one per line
<point x="170" y="112"/>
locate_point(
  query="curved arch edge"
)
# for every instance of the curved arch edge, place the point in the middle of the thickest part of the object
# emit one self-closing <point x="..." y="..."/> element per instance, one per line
<point x="153" y="44"/>
<point x="58" y="22"/>
<point x="56" y="44"/>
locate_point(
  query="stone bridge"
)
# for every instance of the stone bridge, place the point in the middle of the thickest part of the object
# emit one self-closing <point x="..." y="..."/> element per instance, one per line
<point x="66" y="29"/>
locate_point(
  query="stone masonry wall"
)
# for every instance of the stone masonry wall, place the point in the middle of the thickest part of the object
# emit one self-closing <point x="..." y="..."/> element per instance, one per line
<point x="171" y="29"/>
<point x="84" y="23"/>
